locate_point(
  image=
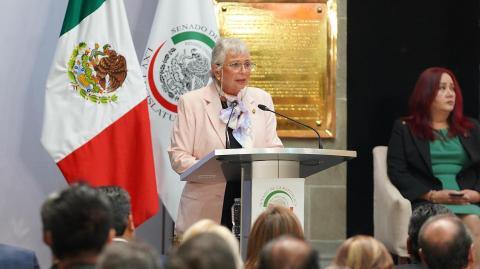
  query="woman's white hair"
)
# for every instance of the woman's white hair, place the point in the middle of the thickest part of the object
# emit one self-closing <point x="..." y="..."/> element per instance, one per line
<point x="225" y="45"/>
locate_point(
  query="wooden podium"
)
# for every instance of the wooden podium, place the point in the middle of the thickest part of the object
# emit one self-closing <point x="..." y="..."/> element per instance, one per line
<point x="264" y="167"/>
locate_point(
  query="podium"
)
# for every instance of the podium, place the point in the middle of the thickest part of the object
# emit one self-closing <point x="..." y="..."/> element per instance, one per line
<point x="264" y="167"/>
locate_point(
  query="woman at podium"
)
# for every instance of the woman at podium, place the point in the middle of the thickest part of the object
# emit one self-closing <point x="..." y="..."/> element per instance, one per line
<point x="434" y="152"/>
<point x="201" y="127"/>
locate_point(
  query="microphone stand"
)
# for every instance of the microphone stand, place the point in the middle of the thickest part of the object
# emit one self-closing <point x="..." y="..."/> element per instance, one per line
<point x="265" y="108"/>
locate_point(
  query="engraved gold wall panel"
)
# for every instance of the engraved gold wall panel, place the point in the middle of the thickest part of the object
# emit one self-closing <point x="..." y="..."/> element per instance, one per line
<point x="293" y="45"/>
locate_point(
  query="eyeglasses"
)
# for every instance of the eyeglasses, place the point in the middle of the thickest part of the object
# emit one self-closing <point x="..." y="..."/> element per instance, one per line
<point x="236" y="66"/>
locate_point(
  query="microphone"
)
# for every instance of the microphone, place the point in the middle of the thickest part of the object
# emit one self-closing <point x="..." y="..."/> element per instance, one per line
<point x="227" y="138"/>
<point x="265" y="108"/>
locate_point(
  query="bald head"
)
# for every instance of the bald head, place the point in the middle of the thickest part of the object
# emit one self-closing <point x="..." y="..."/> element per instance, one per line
<point x="445" y="242"/>
<point x="441" y="231"/>
<point x="288" y="252"/>
<point x="421" y="214"/>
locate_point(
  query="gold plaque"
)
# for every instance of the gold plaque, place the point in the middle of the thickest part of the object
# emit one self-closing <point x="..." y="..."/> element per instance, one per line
<point x="294" y="47"/>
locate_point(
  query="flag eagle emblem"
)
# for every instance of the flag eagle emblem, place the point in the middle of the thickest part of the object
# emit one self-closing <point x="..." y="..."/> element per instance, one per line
<point x="96" y="73"/>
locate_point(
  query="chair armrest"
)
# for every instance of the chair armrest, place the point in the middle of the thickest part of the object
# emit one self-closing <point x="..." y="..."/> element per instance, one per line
<point x="391" y="210"/>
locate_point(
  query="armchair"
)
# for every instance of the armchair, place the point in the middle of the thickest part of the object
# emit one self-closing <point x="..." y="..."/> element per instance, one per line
<point x="391" y="211"/>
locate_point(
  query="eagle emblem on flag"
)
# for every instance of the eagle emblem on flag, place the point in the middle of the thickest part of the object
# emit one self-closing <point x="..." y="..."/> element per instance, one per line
<point x="96" y="73"/>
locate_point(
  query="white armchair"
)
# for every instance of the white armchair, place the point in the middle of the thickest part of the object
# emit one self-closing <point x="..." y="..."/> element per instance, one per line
<point x="391" y="211"/>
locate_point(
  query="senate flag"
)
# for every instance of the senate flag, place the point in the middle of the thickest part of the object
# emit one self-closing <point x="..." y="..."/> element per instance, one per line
<point x="176" y="60"/>
<point x="96" y="125"/>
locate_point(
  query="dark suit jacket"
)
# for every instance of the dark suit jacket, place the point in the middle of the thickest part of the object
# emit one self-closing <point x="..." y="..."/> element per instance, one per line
<point x="17" y="258"/>
<point x="410" y="166"/>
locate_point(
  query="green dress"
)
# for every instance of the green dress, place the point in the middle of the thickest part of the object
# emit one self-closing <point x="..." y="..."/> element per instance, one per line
<point x="448" y="157"/>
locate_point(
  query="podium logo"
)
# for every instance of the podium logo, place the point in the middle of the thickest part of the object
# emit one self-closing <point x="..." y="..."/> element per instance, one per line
<point x="279" y="196"/>
<point x="179" y="65"/>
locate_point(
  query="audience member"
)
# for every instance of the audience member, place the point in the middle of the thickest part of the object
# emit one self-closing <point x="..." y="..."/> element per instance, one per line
<point x="202" y="251"/>
<point x="122" y="212"/>
<point x="209" y="226"/>
<point x="287" y="252"/>
<point x="445" y="243"/>
<point x="17" y="258"/>
<point x="363" y="252"/>
<point x="134" y="255"/>
<point x="77" y="223"/>
<point x="272" y="223"/>
<point x="421" y="214"/>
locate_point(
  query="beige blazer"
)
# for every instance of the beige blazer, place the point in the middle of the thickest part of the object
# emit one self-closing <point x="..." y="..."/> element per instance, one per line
<point x="197" y="131"/>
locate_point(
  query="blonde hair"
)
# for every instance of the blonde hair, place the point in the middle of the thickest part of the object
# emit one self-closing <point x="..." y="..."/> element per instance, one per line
<point x="209" y="226"/>
<point x="363" y="252"/>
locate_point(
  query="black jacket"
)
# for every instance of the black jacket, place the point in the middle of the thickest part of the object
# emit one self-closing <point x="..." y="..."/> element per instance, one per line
<point x="410" y="166"/>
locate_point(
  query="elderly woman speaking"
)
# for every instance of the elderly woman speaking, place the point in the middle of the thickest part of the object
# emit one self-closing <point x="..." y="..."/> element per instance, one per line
<point x="201" y="126"/>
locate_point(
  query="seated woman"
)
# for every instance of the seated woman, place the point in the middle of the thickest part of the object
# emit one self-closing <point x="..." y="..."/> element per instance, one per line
<point x="434" y="152"/>
<point x="363" y="252"/>
<point x="272" y="223"/>
<point x="201" y="125"/>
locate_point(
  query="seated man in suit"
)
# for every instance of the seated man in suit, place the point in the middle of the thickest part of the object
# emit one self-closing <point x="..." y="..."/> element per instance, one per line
<point x="122" y="212"/>
<point x="445" y="243"/>
<point x="17" y="258"/>
<point x="419" y="216"/>
<point x="77" y="223"/>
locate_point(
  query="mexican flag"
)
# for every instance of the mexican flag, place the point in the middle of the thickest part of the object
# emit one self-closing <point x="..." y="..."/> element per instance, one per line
<point x="177" y="60"/>
<point x="96" y="125"/>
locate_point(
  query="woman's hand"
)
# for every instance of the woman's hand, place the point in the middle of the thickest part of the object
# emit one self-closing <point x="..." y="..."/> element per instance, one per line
<point x="453" y="197"/>
<point x="471" y="195"/>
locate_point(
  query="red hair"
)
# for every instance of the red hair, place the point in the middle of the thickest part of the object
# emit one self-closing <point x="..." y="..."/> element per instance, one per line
<point x="421" y="100"/>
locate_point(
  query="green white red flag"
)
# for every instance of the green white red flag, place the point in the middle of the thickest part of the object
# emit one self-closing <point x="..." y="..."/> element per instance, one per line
<point x="96" y="125"/>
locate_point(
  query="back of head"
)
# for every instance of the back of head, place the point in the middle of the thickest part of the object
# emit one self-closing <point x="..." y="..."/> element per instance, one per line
<point x="209" y="226"/>
<point x="421" y="214"/>
<point x="363" y="252"/>
<point x="272" y="223"/>
<point x="287" y="252"/>
<point x="445" y="243"/>
<point x="198" y="227"/>
<point x="120" y="202"/>
<point x="77" y="220"/>
<point x="202" y="251"/>
<point x="132" y="254"/>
